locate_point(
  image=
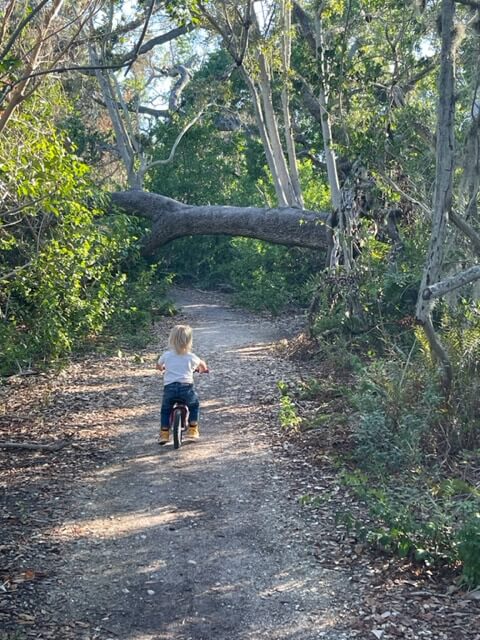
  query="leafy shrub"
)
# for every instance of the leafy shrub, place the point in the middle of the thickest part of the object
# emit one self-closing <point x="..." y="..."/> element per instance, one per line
<point x="461" y="335"/>
<point x="384" y="292"/>
<point x="469" y="550"/>
<point x="63" y="263"/>
<point x="288" y="416"/>
<point x="414" y="521"/>
<point x="143" y="298"/>
<point x="398" y="403"/>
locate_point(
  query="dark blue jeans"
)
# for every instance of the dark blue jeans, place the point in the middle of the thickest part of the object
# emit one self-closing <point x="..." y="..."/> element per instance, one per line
<point x="178" y="392"/>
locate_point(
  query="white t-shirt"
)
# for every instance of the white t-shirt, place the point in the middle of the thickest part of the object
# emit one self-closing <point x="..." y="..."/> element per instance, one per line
<point x="178" y="367"/>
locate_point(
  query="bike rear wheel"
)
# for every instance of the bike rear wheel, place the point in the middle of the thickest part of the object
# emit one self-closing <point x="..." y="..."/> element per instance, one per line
<point x="177" y="429"/>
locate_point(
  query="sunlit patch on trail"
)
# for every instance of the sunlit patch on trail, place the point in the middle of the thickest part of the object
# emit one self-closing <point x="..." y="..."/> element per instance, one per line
<point x="260" y="350"/>
<point x="116" y="526"/>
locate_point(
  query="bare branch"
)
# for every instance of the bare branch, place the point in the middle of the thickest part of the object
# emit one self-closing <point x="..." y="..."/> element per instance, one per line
<point x="178" y="140"/>
<point x="113" y="66"/>
<point x="467" y="229"/>
<point x="113" y="33"/>
<point x="36" y="74"/>
<point x="156" y="113"/>
<point x="11" y="212"/>
<point x="14" y="273"/>
<point x="149" y="111"/>
<point x="6" y="19"/>
<point x="177" y="90"/>
<point x="142" y="36"/>
<point x="164" y="38"/>
<point x="450" y="284"/>
<point x="405" y="195"/>
<point x="35" y="446"/>
<point x="21" y="26"/>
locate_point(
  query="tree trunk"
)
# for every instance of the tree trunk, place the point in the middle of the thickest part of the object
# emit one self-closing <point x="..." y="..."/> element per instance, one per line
<point x="123" y="140"/>
<point x="267" y="147"/>
<point x="319" y="109"/>
<point x="442" y="199"/>
<point x="286" y="41"/>
<point x="264" y="83"/>
<point x="171" y="219"/>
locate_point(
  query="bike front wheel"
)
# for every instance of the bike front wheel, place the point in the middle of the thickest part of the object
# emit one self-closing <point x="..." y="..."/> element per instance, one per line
<point x="177" y="429"/>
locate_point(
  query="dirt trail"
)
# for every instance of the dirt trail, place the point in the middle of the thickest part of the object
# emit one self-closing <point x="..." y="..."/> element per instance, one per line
<point x="201" y="543"/>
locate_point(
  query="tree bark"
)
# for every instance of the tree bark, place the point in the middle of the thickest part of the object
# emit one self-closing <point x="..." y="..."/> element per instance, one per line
<point x="271" y="123"/>
<point x="171" y="219"/>
<point x="267" y="147"/>
<point x="442" y="199"/>
<point x="123" y="141"/>
<point x="450" y="284"/>
<point x="319" y="109"/>
<point x="286" y="41"/>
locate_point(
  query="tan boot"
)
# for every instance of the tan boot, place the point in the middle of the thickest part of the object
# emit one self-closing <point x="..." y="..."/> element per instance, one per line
<point x="164" y="436"/>
<point x="193" y="432"/>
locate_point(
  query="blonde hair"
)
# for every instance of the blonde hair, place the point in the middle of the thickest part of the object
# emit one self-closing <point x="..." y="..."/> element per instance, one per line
<point x="180" y="339"/>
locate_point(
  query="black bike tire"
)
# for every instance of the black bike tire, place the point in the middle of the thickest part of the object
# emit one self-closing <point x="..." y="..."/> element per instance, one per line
<point x="177" y="429"/>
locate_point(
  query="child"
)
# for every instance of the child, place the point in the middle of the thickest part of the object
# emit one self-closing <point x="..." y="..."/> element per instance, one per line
<point x="178" y="364"/>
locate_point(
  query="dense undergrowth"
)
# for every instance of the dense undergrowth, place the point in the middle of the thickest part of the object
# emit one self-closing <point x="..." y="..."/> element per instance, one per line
<point x="69" y="272"/>
<point x="408" y="455"/>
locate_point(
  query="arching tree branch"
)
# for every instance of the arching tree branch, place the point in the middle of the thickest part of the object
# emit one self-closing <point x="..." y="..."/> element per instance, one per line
<point x="171" y="219"/>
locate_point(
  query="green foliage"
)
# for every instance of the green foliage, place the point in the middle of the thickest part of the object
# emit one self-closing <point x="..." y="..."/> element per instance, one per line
<point x="289" y="418"/>
<point x="144" y="297"/>
<point x="288" y="415"/>
<point x="184" y="11"/>
<point x="270" y="277"/>
<point x="208" y="163"/>
<point x="460" y="331"/>
<point x="412" y="520"/>
<point x="469" y="550"/>
<point x="399" y="404"/>
<point x="87" y="140"/>
<point x="63" y="262"/>
<point x="386" y="291"/>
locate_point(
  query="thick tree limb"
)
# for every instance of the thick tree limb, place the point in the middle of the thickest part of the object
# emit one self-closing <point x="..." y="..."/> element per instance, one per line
<point x="443" y="287"/>
<point x="156" y="113"/>
<point x="158" y="40"/>
<point x="309" y="99"/>
<point x="177" y="90"/>
<point x="149" y="111"/>
<point x="288" y="226"/>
